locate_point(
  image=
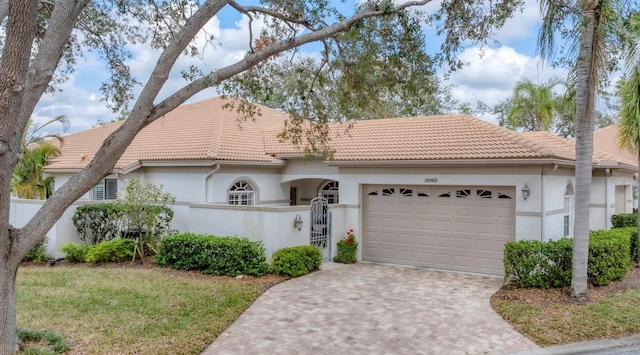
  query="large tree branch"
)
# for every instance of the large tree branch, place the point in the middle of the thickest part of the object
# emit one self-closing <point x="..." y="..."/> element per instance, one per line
<point x="115" y="145"/>
<point x="265" y="11"/>
<point x="173" y="51"/>
<point x="251" y="60"/>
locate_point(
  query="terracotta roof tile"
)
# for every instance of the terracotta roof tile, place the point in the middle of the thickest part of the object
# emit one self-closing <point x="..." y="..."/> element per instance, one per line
<point x="201" y="130"/>
<point x="606" y="140"/>
<point x="206" y="130"/>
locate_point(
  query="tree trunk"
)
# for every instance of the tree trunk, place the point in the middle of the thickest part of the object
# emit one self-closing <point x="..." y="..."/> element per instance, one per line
<point x="638" y="214"/>
<point x="585" y="89"/>
<point x="8" y="337"/>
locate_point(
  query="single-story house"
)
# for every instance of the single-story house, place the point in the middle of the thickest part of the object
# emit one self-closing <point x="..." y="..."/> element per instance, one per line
<point x="443" y="191"/>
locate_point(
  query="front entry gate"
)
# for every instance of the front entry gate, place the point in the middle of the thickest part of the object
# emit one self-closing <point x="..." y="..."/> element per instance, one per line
<point x="321" y="226"/>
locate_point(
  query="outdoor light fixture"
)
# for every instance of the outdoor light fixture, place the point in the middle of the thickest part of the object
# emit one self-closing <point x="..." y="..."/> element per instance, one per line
<point x="525" y="191"/>
<point x="297" y="223"/>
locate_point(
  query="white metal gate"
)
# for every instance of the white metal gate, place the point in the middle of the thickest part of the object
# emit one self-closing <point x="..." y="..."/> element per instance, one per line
<point x="321" y="226"/>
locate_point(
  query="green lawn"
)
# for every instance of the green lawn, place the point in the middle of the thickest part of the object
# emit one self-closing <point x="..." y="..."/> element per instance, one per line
<point x="613" y="316"/>
<point x="128" y="310"/>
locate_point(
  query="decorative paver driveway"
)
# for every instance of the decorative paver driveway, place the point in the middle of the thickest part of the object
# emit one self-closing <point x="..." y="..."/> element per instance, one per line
<point x="374" y="309"/>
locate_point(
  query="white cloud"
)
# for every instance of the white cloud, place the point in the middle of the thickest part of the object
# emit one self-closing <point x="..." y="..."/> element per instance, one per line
<point x="490" y="78"/>
<point x="522" y="25"/>
<point x="80" y="106"/>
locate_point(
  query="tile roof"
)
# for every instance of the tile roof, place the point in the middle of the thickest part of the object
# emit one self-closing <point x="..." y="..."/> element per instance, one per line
<point x="201" y="130"/>
<point x="563" y="147"/>
<point x="606" y="140"/>
<point x="206" y="130"/>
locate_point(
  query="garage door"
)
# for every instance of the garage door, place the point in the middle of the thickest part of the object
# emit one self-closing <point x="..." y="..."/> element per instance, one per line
<point x="447" y="227"/>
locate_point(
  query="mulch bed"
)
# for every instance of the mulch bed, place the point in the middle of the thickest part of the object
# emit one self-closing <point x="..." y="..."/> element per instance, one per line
<point x="546" y="297"/>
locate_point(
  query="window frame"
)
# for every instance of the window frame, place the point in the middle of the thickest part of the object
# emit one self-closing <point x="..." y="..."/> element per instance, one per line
<point x="241" y="193"/>
<point x="106" y="190"/>
<point x="330" y="191"/>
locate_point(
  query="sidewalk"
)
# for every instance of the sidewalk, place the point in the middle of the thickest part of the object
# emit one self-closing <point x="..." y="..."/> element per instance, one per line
<point x="627" y="345"/>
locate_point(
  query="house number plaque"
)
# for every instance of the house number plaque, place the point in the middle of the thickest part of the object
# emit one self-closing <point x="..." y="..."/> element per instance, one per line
<point x="430" y="180"/>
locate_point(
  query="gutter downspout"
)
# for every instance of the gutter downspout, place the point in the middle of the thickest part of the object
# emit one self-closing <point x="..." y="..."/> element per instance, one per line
<point x="206" y="180"/>
<point x="542" y="199"/>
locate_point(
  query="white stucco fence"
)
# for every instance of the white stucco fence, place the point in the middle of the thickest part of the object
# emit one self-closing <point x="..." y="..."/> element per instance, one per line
<point x="273" y="225"/>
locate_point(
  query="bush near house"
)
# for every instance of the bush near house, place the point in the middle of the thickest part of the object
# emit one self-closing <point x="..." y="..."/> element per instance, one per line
<point x="548" y="264"/>
<point x="38" y="254"/>
<point x="75" y="253"/>
<point x="212" y="254"/>
<point x="296" y="261"/>
<point x="538" y="264"/>
<point x="118" y="249"/>
<point x="95" y="223"/>
<point x="105" y="221"/>
<point x="624" y="220"/>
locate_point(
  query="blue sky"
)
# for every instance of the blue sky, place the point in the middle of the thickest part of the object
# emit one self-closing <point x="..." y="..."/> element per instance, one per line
<point x="489" y="78"/>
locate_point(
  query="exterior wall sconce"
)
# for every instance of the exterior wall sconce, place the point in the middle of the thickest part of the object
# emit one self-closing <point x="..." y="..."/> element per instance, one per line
<point x="526" y="192"/>
<point x="297" y="223"/>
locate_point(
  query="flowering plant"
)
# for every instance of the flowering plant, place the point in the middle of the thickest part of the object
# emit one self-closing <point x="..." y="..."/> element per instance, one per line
<point x="347" y="248"/>
<point x="350" y="238"/>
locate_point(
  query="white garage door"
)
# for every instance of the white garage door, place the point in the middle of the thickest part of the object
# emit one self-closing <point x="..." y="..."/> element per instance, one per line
<point x="447" y="227"/>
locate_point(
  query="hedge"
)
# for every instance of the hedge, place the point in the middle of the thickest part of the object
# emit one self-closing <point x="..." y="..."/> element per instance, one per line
<point x="538" y="264"/>
<point x="213" y="255"/>
<point x="296" y="261"/>
<point x="624" y="220"/>
<point x="609" y="255"/>
<point x="548" y="264"/>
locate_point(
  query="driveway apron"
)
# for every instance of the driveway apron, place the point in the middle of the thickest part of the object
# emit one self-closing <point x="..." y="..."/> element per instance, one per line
<point x="374" y="309"/>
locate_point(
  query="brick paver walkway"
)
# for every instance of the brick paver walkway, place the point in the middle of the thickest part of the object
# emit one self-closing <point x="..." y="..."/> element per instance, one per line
<point x="374" y="309"/>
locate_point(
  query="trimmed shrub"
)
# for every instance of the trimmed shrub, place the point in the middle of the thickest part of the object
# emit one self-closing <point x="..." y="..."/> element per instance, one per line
<point x="98" y="222"/>
<point x="624" y="220"/>
<point x="38" y="254"/>
<point x="548" y="264"/>
<point x="75" y="253"/>
<point x="633" y="241"/>
<point x="609" y="256"/>
<point x="296" y="261"/>
<point x="118" y="249"/>
<point x="538" y="264"/>
<point x="213" y="255"/>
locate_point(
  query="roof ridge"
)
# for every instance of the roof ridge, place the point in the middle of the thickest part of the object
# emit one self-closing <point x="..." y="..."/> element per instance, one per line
<point x="514" y="136"/>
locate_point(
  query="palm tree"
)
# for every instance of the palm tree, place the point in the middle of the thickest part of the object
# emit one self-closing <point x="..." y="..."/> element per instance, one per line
<point x="38" y="146"/>
<point x="28" y="179"/>
<point x="532" y="105"/>
<point x="629" y="93"/>
<point x="35" y="133"/>
<point x="590" y="21"/>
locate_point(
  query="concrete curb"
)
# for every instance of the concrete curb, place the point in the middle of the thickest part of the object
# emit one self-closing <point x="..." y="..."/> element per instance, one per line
<point x="585" y="347"/>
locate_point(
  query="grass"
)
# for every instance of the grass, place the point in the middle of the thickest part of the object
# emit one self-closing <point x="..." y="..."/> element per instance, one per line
<point x="126" y="311"/>
<point x="612" y="316"/>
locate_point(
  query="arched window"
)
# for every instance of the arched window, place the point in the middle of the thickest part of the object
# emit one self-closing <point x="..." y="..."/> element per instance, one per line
<point x="242" y="193"/>
<point x="330" y="192"/>
<point x="568" y="209"/>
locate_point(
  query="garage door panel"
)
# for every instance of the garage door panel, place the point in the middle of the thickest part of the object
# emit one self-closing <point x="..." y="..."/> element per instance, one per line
<point x="465" y="233"/>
